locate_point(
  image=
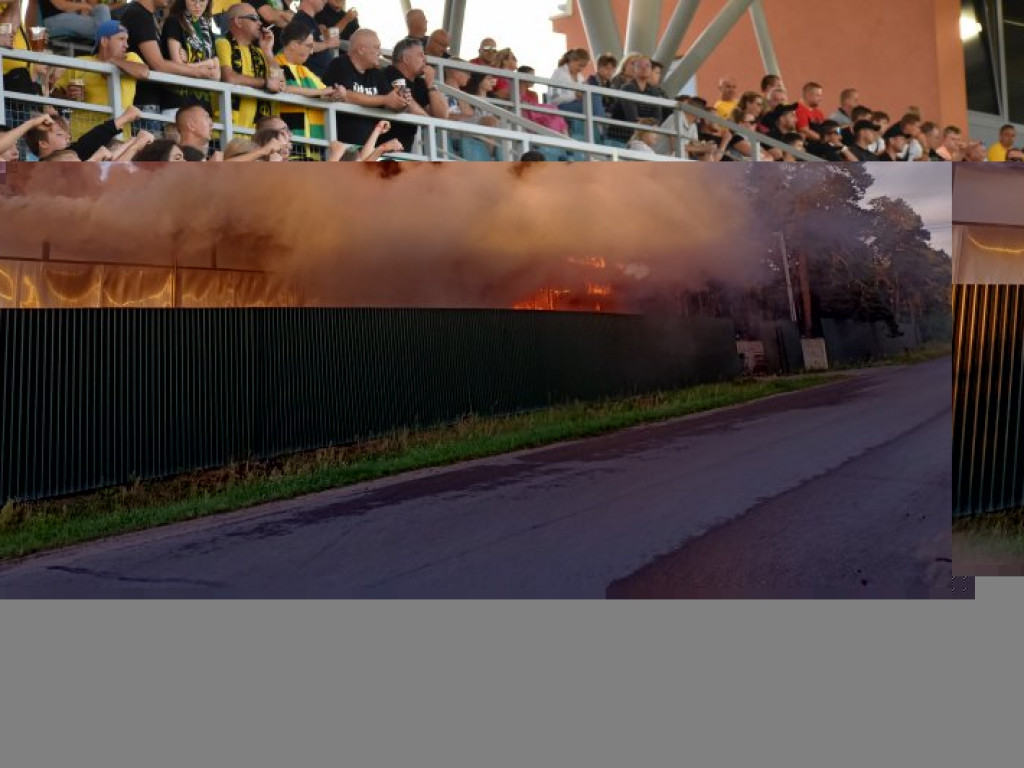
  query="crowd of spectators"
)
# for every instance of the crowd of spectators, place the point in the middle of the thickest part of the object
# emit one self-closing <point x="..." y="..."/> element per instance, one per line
<point x="262" y="44"/>
<point x="317" y="49"/>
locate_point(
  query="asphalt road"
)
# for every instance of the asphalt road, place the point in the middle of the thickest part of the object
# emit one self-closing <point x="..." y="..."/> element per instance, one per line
<point x="841" y="491"/>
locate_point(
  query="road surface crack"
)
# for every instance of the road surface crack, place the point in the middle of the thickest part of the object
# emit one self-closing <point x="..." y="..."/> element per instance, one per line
<point x="133" y="579"/>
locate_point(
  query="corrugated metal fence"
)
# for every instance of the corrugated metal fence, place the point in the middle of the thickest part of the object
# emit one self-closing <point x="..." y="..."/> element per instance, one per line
<point x="90" y="398"/>
<point x="988" y="398"/>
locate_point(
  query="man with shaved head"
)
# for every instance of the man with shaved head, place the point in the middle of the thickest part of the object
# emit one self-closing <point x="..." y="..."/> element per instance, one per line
<point x="366" y="84"/>
<point x="416" y="23"/>
<point x="488" y="50"/>
<point x="245" y="54"/>
<point x="730" y="92"/>
<point x="437" y="44"/>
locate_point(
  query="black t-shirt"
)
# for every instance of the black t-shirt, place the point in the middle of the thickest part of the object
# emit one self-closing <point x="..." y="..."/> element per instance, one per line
<point x="406" y="132"/>
<point x="141" y="26"/>
<point x="933" y="155"/>
<point x="330" y="17"/>
<point x="91" y="141"/>
<point x="48" y="9"/>
<point x="353" y="129"/>
<point x="864" y="155"/>
<point x="257" y="4"/>
<point x="825" y="151"/>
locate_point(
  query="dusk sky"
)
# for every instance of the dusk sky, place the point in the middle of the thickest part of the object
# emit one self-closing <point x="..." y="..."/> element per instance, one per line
<point x="928" y="187"/>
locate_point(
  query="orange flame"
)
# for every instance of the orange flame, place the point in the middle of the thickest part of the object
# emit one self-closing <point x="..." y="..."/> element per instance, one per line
<point x="594" y="262"/>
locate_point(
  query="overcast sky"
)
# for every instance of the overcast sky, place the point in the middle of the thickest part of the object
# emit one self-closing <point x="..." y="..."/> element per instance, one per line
<point x="928" y="187"/>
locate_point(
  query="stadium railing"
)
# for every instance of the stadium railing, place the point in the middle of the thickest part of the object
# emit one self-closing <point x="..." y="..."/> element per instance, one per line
<point x="438" y="139"/>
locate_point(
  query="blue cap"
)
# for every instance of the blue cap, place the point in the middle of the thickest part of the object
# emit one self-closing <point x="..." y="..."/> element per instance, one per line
<point x="109" y="29"/>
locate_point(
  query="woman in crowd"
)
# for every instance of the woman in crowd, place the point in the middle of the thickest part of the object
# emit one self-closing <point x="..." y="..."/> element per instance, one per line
<point x="751" y="102"/>
<point x="625" y="75"/>
<point x="569" y="72"/>
<point x="462" y="110"/>
<point x="740" y="148"/>
<point x="481" y="86"/>
<point x="161" y="151"/>
<point x="528" y="96"/>
<point x="504" y="59"/>
<point x="188" y="39"/>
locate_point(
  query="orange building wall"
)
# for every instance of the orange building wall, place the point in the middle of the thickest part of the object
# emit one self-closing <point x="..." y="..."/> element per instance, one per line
<point x="896" y="52"/>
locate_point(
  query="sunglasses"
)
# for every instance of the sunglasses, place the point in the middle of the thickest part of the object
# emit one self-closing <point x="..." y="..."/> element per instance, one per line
<point x="252" y="17"/>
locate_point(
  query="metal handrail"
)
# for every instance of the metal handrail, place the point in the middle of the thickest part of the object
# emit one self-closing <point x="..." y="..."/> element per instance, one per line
<point x="754" y="137"/>
<point x="528" y="133"/>
<point x="225" y="91"/>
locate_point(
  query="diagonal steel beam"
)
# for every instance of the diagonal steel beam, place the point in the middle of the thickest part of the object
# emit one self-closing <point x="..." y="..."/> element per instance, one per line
<point x="454" y="16"/>
<point x="705" y="45"/>
<point x="676" y="30"/>
<point x="642" y="26"/>
<point x="764" y="39"/>
<point x="600" y="27"/>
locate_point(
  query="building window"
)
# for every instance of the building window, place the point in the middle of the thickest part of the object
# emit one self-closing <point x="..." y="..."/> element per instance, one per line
<point x="979" y="32"/>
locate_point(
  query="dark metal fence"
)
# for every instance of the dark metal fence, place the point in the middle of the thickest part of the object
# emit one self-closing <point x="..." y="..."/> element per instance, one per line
<point x="988" y="398"/>
<point x="782" y="349"/>
<point x="848" y="341"/>
<point x="90" y="398"/>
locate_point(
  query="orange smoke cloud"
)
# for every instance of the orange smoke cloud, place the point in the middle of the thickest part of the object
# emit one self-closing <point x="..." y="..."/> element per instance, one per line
<point x="424" y="235"/>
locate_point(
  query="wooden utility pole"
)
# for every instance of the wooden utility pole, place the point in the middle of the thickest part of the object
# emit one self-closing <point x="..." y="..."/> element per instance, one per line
<point x="789" y="280"/>
<point x="805" y="290"/>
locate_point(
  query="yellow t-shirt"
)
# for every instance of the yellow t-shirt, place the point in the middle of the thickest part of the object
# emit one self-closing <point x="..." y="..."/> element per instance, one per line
<point x="245" y="109"/>
<point x="997" y="153"/>
<point x="220" y="6"/>
<point x="98" y="92"/>
<point x="19" y="44"/>
<point x="725" y="108"/>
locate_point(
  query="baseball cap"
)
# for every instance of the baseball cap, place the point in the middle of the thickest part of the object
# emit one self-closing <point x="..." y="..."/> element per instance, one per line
<point x="863" y="125"/>
<point x="894" y="131"/>
<point x="109" y="29"/>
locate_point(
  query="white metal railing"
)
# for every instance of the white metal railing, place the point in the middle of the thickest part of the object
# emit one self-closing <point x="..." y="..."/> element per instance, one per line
<point x="591" y="122"/>
<point x="434" y="143"/>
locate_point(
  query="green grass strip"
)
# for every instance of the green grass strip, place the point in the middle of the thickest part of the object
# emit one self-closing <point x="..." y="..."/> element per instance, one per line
<point x="995" y="534"/>
<point x="38" y="526"/>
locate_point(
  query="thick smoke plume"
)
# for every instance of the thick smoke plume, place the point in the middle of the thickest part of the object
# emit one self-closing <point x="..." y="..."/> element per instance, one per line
<point x="418" y="235"/>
